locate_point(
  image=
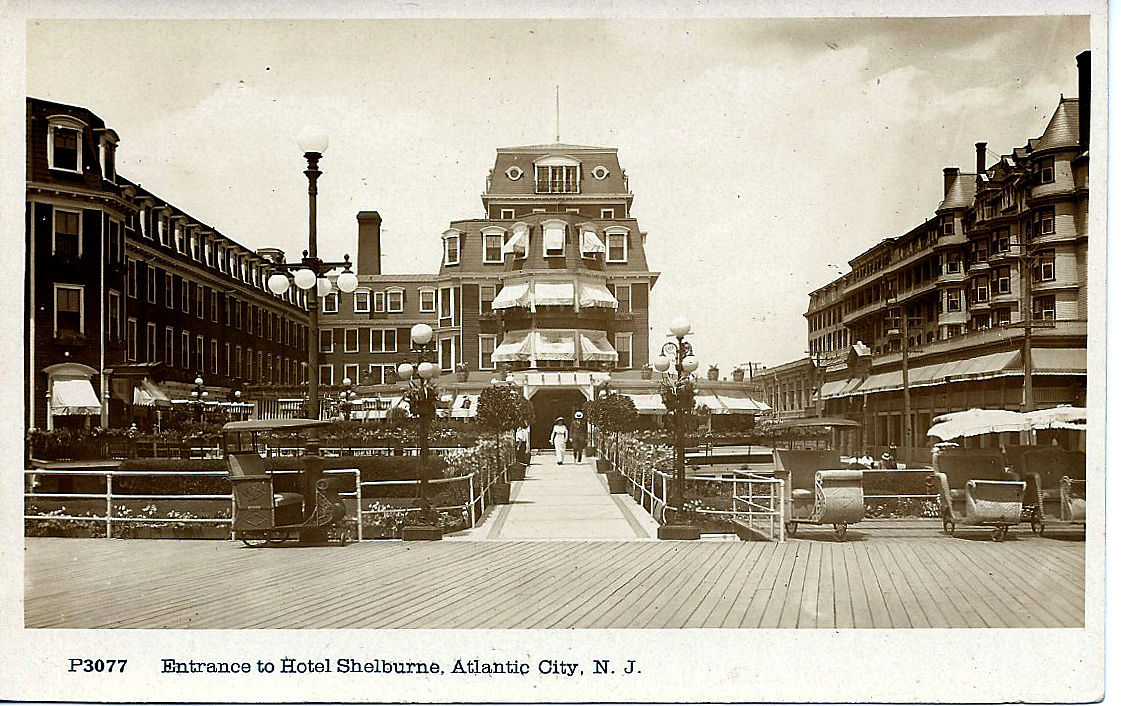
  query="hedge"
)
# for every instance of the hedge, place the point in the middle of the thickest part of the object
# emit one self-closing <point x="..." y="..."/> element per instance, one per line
<point x="373" y="468"/>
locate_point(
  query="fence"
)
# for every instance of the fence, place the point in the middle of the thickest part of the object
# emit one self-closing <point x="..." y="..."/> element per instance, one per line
<point x="478" y="496"/>
<point x="753" y="502"/>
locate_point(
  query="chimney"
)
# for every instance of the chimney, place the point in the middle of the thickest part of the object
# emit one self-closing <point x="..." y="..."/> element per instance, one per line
<point x="1083" y="60"/>
<point x="369" y="243"/>
<point x="949" y="174"/>
<point x="980" y="158"/>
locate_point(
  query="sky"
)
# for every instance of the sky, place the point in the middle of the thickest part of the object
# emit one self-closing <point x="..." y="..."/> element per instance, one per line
<point x="763" y="154"/>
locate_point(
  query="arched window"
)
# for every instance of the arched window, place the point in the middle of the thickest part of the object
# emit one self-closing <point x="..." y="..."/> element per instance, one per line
<point x="451" y="247"/>
<point x="64" y="143"/>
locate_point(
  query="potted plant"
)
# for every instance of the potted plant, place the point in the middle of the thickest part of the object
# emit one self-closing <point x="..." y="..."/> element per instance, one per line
<point x="616" y="415"/>
<point x="647" y="372"/>
<point x="713" y="372"/>
<point x="461" y="372"/>
<point x="738" y="374"/>
<point x="501" y="410"/>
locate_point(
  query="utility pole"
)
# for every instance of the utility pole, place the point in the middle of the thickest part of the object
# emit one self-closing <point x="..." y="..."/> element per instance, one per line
<point x="906" y="343"/>
<point x="1026" y="315"/>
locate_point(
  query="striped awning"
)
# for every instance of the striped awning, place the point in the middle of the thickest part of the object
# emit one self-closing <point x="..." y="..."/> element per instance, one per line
<point x="553" y="294"/>
<point x="74" y="397"/>
<point x="594" y="294"/>
<point x="647" y="403"/>
<point x="590" y="243"/>
<point x="511" y="295"/>
<point x="594" y="346"/>
<point x="515" y="347"/>
<point x="554" y="345"/>
<point x="148" y="394"/>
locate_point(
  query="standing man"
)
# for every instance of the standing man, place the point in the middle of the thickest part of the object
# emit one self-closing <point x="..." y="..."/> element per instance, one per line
<point x="579" y="436"/>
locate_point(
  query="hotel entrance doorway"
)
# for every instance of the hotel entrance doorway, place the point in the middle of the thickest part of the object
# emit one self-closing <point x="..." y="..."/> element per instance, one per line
<point x="547" y="406"/>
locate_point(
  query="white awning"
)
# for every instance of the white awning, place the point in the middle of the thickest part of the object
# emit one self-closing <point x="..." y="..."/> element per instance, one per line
<point x="554" y="236"/>
<point x="594" y="346"/>
<point x="553" y="294"/>
<point x="647" y="403"/>
<point x="712" y="403"/>
<point x="511" y="295"/>
<point x="737" y="405"/>
<point x="74" y="397"/>
<point x="464" y="406"/>
<point x="554" y="345"/>
<point x="593" y="294"/>
<point x="147" y="394"/>
<point x="514" y="347"/>
<point x="590" y="243"/>
<point x="517" y="243"/>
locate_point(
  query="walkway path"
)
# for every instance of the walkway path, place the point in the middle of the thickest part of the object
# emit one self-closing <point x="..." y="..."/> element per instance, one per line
<point x="567" y="501"/>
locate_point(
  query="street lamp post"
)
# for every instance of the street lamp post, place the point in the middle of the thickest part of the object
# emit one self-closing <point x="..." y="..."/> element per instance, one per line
<point x="677" y="393"/>
<point x="419" y="372"/>
<point x="346" y="399"/>
<point x="198" y="398"/>
<point x="309" y="275"/>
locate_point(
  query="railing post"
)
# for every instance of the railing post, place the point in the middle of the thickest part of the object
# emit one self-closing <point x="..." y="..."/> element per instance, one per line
<point x="471" y="495"/>
<point x="108" y="504"/>
<point x="358" y="500"/>
<point x="781" y="518"/>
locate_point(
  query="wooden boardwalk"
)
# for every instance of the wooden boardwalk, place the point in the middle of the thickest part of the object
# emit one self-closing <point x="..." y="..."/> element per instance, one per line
<point x="888" y="575"/>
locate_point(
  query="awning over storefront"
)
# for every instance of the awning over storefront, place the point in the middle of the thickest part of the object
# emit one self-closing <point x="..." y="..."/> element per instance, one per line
<point x="593" y="294"/>
<point x="594" y="346"/>
<point x="647" y="403"/>
<point x="74" y="397"/>
<point x="839" y="388"/>
<point x="590" y="243"/>
<point x="979" y="368"/>
<point x="553" y="294"/>
<point x="554" y="345"/>
<point x="511" y="295"/>
<point x="736" y="404"/>
<point x="514" y="347"/>
<point x="148" y="394"/>
<point x="1058" y="361"/>
<point x="711" y="402"/>
<point x="464" y="406"/>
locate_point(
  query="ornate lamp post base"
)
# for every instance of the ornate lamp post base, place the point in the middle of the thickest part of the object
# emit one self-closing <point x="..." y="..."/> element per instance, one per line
<point x="679" y="532"/>
<point x="422" y="533"/>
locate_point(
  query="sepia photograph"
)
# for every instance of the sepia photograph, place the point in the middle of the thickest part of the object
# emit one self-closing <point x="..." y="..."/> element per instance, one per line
<point x="647" y="351"/>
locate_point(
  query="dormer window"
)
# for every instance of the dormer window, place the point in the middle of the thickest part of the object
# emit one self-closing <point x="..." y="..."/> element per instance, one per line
<point x="451" y="247"/>
<point x="557" y="175"/>
<point x="180" y="245"/>
<point x="553" y="238"/>
<point x="493" y="240"/>
<point x="64" y="144"/>
<point x="394" y="300"/>
<point x="518" y="243"/>
<point x="616" y="245"/>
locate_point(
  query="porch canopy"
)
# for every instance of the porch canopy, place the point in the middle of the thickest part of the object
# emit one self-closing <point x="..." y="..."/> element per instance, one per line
<point x="74" y="397"/>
